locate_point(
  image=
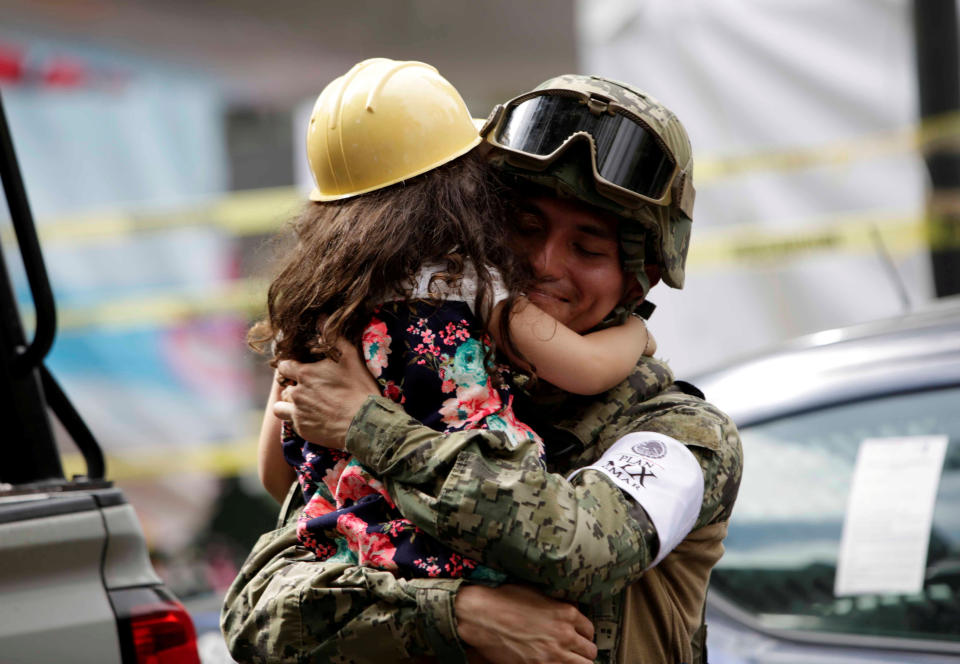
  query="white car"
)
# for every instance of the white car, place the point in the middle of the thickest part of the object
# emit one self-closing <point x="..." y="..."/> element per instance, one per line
<point x="813" y="416"/>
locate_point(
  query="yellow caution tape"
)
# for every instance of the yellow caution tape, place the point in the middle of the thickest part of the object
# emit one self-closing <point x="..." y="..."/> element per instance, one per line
<point x="709" y="169"/>
<point x="257" y="212"/>
<point x="745" y="246"/>
<point x="264" y="211"/>
<point x="246" y="297"/>
<point x="245" y="213"/>
<point x="742" y="246"/>
<point x="221" y="459"/>
<point x="934" y="134"/>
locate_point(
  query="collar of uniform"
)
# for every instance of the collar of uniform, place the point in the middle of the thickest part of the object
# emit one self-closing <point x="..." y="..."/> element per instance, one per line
<point x="591" y="414"/>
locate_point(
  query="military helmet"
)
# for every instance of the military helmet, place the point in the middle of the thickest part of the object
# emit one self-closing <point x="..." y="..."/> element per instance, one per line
<point x="383" y="122"/>
<point x="640" y="164"/>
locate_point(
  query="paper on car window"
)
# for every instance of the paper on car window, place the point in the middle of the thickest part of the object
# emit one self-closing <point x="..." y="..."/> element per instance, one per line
<point x="886" y="529"/>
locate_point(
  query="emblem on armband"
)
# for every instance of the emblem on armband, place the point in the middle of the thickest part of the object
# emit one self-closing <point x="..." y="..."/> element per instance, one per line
<point x="652" y="449"/>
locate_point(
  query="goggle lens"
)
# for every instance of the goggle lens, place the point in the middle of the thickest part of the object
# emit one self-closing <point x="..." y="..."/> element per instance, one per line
<point x="628" y="155"/>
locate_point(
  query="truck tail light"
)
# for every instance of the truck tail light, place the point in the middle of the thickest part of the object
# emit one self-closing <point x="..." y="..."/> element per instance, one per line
<point x="154" y="627"/>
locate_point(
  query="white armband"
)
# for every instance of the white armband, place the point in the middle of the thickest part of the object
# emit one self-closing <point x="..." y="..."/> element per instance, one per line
<point x="663" y="476"/>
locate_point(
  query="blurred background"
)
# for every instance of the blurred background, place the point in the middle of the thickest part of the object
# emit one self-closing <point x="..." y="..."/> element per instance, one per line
<point x="162" y="146"/>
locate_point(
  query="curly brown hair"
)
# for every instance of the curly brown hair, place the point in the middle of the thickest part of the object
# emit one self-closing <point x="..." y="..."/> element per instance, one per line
<point x="354" y="253"/>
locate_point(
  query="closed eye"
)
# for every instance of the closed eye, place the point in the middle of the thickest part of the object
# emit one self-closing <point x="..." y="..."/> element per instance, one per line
<point x="591" y="250"/>
<point x="528" y="224"/>
<point x="584" y="250"/>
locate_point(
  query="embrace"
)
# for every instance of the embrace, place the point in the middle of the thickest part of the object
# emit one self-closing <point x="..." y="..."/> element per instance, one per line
<point x="479" y="456"/>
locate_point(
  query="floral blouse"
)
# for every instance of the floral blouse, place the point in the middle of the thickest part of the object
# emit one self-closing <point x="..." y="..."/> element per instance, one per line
<point x="426" y="355"/>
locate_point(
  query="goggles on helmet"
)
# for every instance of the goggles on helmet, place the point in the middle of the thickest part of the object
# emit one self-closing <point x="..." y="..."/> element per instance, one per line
<point x="631" y="164"/>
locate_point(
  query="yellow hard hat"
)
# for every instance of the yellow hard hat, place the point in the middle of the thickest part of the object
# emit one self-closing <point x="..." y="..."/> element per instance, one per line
<point x="382" y="122"/>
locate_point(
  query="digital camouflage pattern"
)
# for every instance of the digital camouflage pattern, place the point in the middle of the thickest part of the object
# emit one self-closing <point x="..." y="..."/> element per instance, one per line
<point x="584" y="541"/>
<point x="665" y="228"/>
<point x="286" y="607"/>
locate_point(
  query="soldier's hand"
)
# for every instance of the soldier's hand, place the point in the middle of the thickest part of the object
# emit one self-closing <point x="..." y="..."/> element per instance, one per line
<point x="321" y="398"/>
<point x="515" y="624"/>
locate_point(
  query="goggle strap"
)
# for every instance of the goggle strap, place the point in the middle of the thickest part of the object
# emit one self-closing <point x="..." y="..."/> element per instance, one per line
<point x="492" y="120"/>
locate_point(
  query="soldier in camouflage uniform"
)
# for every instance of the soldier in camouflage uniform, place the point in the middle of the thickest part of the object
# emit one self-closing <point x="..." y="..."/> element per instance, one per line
<point x="629" y="517"/>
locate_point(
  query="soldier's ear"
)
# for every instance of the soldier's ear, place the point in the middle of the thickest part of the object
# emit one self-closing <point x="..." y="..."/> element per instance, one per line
<point x="653" y="273"/>
<point x="634" y="292"/>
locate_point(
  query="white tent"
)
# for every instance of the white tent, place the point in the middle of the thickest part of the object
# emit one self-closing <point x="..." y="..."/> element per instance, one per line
<point x="801" y="118"/>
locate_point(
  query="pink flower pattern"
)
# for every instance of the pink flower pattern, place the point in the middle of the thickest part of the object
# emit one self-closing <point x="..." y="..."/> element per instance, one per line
<point x="373" y="549"/>
<point x="357" y="482"/>
<point x="426" y="357"/>
<point x="376" y="346"/>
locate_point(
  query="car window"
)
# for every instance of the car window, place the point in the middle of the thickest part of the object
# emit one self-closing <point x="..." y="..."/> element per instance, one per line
<point x="784" y="539"/>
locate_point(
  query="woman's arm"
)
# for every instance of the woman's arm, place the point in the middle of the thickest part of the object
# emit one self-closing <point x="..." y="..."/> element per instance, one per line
<point x="275" y="473"/>
<point x="576" y="363"/>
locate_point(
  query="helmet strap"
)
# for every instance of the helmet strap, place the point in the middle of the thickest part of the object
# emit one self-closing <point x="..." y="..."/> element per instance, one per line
<point x="684" y="194"/>
<point x="623" y="311"/>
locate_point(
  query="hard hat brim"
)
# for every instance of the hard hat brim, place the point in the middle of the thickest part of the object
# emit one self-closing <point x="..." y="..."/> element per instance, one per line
<point x="319" y="197"/>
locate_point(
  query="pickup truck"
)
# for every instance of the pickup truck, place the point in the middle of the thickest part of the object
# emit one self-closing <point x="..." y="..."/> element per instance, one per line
<point x="76" y="583"/>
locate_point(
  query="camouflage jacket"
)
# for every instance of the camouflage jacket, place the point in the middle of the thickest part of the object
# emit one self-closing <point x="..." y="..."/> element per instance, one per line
<point x="584" y="540"/>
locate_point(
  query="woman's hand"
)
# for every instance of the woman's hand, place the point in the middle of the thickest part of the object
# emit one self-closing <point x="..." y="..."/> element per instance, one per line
<point x="515" y="624"/>
<point x="276" y="474"/>
<point x="639" y="326"/>
<point x="321" y="398"/>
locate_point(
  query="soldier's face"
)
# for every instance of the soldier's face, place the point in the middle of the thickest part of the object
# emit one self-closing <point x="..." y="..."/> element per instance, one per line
<point x="575" y="256"/>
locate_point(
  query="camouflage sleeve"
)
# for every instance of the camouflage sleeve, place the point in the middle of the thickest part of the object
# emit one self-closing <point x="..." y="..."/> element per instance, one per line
<point x="285" y="606"/>
<point x="713" y="439"/>
<point x="576" y="541"/>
